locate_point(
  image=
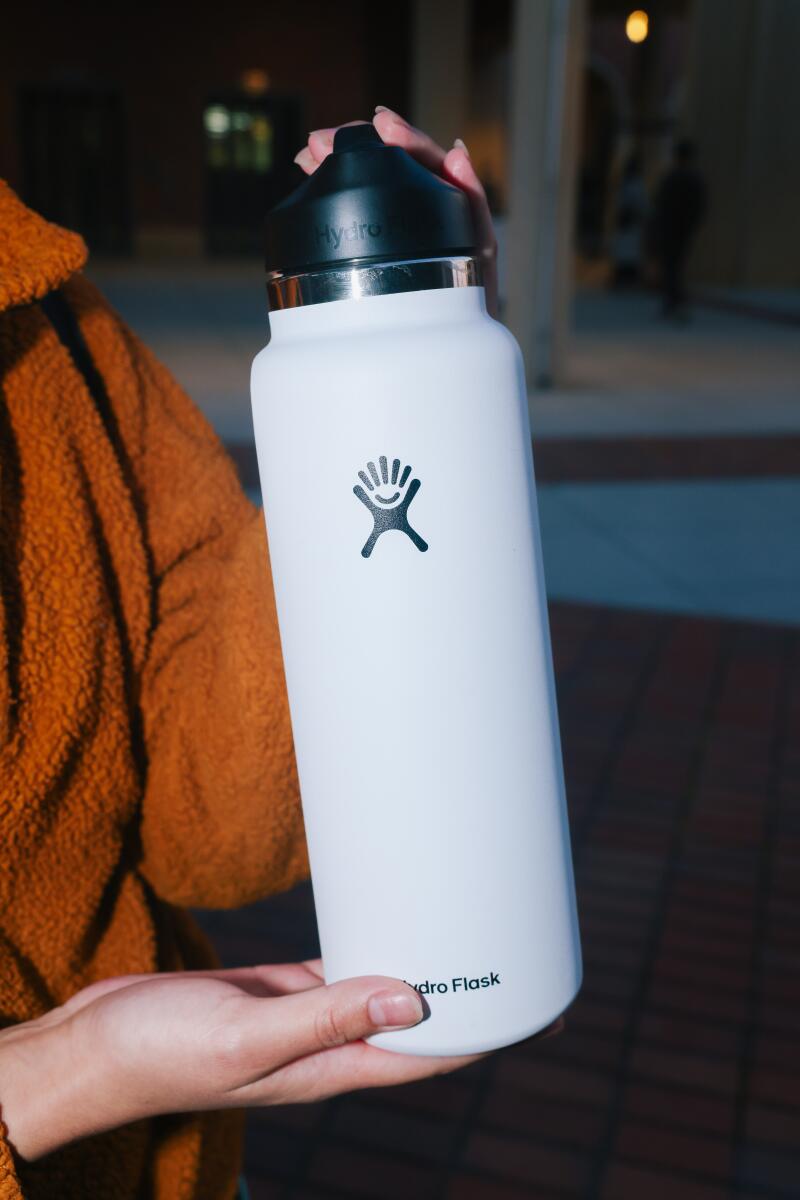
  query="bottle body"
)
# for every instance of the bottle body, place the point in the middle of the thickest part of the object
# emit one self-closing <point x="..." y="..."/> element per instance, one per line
<point x="414" y="631"/>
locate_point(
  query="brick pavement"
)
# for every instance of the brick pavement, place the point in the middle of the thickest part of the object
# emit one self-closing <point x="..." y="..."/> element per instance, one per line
<point x="678" y="1075"/>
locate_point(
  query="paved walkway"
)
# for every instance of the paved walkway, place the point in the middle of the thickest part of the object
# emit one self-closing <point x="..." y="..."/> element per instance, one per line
<point x="205" y="320"/>
<point x="632" y="373"/>
<point x="676" y="1077"/>
<point x="722" y="548"/>
<point x="728" y="547"/>
<point x="629" y="372"/>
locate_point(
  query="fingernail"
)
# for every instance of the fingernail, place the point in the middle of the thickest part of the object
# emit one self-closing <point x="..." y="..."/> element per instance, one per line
<point x="381" y="108"/>
<point x="459" y="145"/>
<point x="394" y="1010"/>
<point x="304" y="158"/>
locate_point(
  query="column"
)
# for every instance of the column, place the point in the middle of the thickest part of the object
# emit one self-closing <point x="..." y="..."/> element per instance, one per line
<point x="547" y="66"/>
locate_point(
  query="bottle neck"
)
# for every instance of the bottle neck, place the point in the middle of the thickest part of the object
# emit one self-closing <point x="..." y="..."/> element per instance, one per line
<point x="362" y="280"/>
<point x="388" y="312"/>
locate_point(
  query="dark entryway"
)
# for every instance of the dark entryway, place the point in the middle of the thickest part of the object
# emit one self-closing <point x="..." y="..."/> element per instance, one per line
<point x="250" y="143"/>
<point x="73" y="152"/>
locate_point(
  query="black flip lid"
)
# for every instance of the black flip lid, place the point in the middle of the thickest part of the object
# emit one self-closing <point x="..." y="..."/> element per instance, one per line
<point x="367" y="201"/>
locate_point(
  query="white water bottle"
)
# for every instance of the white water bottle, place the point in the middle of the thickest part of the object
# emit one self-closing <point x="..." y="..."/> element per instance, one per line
<point x="394" y="451"/>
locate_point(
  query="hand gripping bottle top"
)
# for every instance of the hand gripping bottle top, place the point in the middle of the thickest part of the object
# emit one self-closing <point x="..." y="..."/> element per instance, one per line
<point x="391" y="424"/>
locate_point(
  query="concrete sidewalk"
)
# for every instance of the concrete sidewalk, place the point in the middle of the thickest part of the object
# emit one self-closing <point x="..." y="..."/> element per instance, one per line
<point x="724" y="547"/>
<point x="721" y="547"/>
<point x="629" y="372"/>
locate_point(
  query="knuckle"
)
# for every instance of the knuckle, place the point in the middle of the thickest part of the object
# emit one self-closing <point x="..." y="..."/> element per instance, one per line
<point x="329" y="1028"/>
<point x="226" y="1043"/>
<point x="226" y="1047"/>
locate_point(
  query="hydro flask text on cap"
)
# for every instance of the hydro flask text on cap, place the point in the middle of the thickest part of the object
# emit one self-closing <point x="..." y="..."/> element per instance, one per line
<point x="367" y="201"/>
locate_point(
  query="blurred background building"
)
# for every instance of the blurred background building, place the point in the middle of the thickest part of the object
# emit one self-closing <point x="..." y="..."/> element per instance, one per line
<point x="170" y="131"/>
<point x="164" y="134"/>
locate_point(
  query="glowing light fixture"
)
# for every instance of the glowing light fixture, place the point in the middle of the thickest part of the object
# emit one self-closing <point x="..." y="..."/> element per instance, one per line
<point x="255" y="81"/>
<point x="637" y="25"/>
<point x="217" y="120"/>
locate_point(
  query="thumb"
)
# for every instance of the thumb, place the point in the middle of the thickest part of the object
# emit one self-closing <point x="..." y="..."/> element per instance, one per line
<point x="293" y="1026"/>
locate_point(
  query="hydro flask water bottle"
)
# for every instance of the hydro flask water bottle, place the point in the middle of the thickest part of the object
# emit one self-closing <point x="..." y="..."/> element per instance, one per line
<point x="393" y="442"/>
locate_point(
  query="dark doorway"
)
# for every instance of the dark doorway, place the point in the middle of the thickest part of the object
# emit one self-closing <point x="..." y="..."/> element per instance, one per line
<point x="600" y="130"/>
<point x="74" y="162"/>
<point x="250" y="143"/>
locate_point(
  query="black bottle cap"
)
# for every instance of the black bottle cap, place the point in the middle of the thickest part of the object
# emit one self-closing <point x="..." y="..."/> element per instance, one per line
<point x="367" y="202"/>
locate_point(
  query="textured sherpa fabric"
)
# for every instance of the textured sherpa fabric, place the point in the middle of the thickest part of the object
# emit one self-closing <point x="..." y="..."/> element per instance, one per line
<point x="146" y="759"/>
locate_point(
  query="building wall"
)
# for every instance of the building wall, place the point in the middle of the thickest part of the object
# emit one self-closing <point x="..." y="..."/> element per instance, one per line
<point x="167" y="59"/>
<point x="743" y="105"/>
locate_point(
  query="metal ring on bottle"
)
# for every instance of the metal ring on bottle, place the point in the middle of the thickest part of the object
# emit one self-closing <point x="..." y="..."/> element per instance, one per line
<point x="360" y="280"/>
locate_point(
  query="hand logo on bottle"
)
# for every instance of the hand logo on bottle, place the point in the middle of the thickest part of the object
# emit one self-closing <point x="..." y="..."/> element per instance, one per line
<point x="388" y="500"/>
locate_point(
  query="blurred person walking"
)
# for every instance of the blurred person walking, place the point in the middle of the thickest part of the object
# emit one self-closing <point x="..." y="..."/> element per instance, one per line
<point x="146" y="761"/>
<point x="679" y="209"/>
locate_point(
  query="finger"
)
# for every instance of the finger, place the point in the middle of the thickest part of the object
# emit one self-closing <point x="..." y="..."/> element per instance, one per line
<point x="360" y="1065"/>
<point x="293" y="1026"/>
<point x="396" y="131"/>
<point x="458" y="169"/>
<point x="551" y="1031"/>
<point x="320" y="145"/>
<point x="278" y="979"/>
<point x="103" y="987"/>
<point x="345" y="1069"/>
<point x="314" y="965"/>
<point x="273" y="979"/>
<point x="306" y="161"/>
<point x="531" y="1044"/>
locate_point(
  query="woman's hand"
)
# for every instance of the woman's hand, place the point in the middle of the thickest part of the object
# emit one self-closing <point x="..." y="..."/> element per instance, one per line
<point x="453" y="165"/>
<point x="143" y="1045"/>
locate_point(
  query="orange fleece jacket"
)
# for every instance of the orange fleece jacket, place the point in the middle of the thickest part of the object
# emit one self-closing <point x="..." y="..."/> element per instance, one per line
<point x="146" y="757"/>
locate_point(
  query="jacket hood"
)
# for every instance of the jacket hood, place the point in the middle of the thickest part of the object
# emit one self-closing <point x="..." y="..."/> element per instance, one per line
<point x="35" y="256"/>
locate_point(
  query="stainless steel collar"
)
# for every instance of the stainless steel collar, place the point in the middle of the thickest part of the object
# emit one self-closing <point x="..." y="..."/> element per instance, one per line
<point x="361" y="280"/>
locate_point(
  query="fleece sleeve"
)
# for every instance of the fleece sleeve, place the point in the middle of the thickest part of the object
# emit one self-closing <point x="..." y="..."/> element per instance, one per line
<point x="10" y="1188"/>
<point x="221" y="821"/>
